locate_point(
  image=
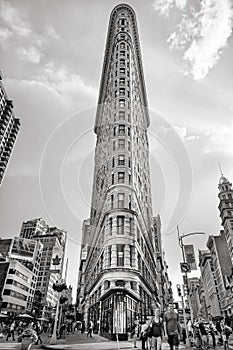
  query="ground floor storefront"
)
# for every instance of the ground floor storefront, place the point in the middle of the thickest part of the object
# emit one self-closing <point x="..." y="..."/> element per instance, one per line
<point x="114" y="315"/>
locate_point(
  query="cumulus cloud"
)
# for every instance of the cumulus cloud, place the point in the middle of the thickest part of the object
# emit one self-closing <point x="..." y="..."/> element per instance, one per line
<point x="52" y="33"/>
<point x="219" y="140"/>
<point x="163" y="7"/>
<point x="30" y="54"/>
<point x="5" y="35"/>
<point x="203" y="34"/>
<point x="14" y="19"/>
<point x="183" y="133"/>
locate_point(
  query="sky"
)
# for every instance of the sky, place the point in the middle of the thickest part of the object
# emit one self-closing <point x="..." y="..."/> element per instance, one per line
<point x="51" y="61"/>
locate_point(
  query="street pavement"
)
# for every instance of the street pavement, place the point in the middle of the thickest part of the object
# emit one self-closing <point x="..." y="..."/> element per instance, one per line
<point x="80" y="341"/>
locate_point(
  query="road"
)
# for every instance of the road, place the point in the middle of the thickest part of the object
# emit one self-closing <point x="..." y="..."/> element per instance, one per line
<point x="79" y="341"/>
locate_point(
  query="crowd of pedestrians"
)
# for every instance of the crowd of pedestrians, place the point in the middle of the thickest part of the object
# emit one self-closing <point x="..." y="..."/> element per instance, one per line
<point x="202" y="334"/>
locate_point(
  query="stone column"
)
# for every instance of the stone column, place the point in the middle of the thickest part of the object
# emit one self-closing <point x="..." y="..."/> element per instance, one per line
<point x="114" y="256"/>
<point x="114" y="226"/>
<point x="127" y="256"/>
<point x="134" y="258"/>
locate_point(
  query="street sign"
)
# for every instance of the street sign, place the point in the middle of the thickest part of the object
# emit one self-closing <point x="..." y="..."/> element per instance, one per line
<point x="185" y="267"/>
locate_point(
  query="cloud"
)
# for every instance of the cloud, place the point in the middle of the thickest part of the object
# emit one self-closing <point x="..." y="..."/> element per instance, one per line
<point x="14" y="19"/>
<point x="183" y="133"/>
<point x="163" y="7"/>
<point x="31" y="54"/>
<point x="5" y="35"/>
<point x="219" y="140"/>
<point x="65" y="82"/>
<point x="203" y="34"/>
<point x="52" y="33"/>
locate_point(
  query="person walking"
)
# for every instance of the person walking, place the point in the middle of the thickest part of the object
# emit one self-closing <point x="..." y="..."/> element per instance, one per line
<point x="204" y="334"/>
<point x="28" y="337"/>
<point x="226" y="331"/>
<point x="172" y="327"/>
<point x="135" y="332"/>
<point x="213" y="331"/>
<point x="144" y="337"/>
<point x="157" y="330"/>
<point x="11" y="331"/>
<point x="90" y="328"/>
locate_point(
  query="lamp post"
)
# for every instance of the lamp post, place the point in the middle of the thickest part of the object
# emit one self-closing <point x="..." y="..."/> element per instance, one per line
<point x="180" y="239"/>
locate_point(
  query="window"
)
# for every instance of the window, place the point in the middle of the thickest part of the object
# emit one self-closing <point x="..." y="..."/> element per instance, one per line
<point x="129" y="145"/>
<point x="121" y="200"/>
<point x="122" y="71"/>
<point x="122" y="53"/>
<point x="120" y="255"/>
<point x="133" y="285"/>
<point x="121" y="103"/>
<point x="113" y="162"/>
<point x="121" y="130"/>
<point x="121" y="178"/>
<point x="129" y="179"/>
<point x="130" y="207"/>
<point x="114" y="131"/>
<point x="122" y="115"/>
<point x="112" y="201"/>
<point x="109" y="255"/>
<point x="128" y="131"/>
<point x="120" y="225"/>
<point x="106" y="285"/>
<point x="121" y="159"/>
<point x="114" y="145"/>
<point x="110" y="226"/>
<point x="122" y="64"/>
<point x="112" y="179"/>
<point x="121" y="143"/>
<point x="122" y="92"/>
<point x="122" y="81"/>
<point x="120" y="283"/>
<point x="129" y="163"/>
<point x="130" y="225"/>
<point x="122" y="45"/>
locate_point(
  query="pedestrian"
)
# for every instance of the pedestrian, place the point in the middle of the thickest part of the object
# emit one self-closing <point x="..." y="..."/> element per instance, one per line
<point x="184" y="335"/>
<point x="83" y="327"/>
<point x="144" y="336"/>
<point x="172" y="327"/>
<point x="226" y="331"/>
<point x="90" y="328"/>
<point x="38" y="328"/>
<point x="157" y="330"/>
<point x="190" y="332"/>
<point x="213" y="331"/>
<point x="28" y="337"/>
<point x="11" y="331"/>
<point x="135" y="332"/>
<point x="203" y="333"/>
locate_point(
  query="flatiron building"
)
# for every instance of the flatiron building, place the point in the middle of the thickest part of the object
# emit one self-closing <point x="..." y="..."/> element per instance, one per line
<point x="118" y="268"/>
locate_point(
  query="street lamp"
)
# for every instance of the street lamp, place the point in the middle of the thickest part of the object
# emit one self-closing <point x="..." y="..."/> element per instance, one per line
<point x="180" y="239"/>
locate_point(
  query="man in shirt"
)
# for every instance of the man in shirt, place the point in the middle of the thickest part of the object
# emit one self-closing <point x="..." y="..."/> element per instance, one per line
<point x="172" y="327"/>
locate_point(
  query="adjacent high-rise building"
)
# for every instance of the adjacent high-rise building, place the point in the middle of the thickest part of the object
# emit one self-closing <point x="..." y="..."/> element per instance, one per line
<point x="209" y="284"/>
<point x="53" y="240"/>
<point x="222" y="269"/>
<point x="9" y="128"/>
<point x="120" y="274"/>
<point x="225" y="207"/>
<point x="23" y="258"/>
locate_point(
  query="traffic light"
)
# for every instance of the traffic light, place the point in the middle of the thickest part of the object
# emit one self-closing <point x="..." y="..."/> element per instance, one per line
<point x="178" y="290"/>
<point x="186" y="289"/>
